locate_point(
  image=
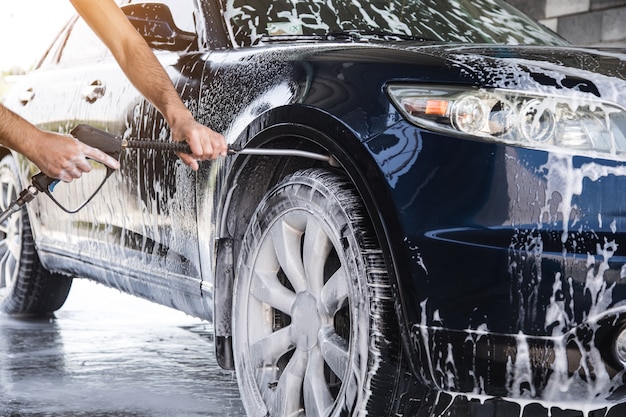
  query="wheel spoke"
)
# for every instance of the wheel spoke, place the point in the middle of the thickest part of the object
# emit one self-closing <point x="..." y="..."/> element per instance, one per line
<point x="7" y="264"/>
<point x="334" y="295"/>
<point x="287" y="244"/>
<point x="266" y="288"/>
<point x="317" y="397"/>
<point x="7" y="195"/>
<point x="335" y="351"/>
<point x="4" y="247"/>
<point x="288" y="395"/>
<point x="270" y="349"/>
<point x="13" y="245"/>
<point x="3" y="270"/>
<point x="265" y="285"/>
<point x="317" y="246"/>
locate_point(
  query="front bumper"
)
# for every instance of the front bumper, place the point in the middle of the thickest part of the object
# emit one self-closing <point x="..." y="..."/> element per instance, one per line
<point x="511" y="265"/>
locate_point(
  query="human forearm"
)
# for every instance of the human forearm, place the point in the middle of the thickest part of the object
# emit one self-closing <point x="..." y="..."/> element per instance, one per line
<point x="132" y="53"/>
<point x="15" y="132"/>
<point x="148" y="75"/>
<point x="151" y="79"/>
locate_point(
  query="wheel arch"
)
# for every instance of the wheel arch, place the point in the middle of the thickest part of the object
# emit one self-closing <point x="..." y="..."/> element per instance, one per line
<point x="28" y="287"/>
<point x="250" y="177"/>
<point x="4" y="152"/>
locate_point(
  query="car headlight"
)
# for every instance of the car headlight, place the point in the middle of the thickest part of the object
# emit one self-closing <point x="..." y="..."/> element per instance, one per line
<point x="570" y="124"/>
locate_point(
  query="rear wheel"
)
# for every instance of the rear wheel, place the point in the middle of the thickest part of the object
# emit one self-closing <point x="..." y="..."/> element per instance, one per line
<point x="314" y="327"/>
<point x="26" y="287"/>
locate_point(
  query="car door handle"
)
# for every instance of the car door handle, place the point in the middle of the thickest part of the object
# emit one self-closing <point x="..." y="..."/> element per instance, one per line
<point x="26" y="97"/>
<point x="94" y="91"/>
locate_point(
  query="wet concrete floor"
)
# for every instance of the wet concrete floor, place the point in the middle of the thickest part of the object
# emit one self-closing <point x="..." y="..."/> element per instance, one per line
<point x="109" y="354"/>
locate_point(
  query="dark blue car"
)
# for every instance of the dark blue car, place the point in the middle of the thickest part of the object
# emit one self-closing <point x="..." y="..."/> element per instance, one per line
<point x="427" y="218"/>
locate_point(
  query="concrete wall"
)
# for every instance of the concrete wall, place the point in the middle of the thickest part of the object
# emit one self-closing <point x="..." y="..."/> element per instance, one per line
<point x="582" y="22"/>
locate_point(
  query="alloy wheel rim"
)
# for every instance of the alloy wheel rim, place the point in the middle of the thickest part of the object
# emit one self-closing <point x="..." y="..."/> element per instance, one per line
<point x="298" y="318"/>
<point x="10" y="236"/>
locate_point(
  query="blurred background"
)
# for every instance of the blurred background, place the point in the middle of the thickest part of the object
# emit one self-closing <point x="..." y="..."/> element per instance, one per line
<point x="582" y="22"/>
<point x="27" y="27"/>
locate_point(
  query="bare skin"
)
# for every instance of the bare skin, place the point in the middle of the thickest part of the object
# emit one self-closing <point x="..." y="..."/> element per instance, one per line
<point x="142" y="68"/>
<point x="58" y="156"/>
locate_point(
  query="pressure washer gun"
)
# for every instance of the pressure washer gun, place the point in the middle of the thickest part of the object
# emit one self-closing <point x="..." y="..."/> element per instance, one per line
<point x="95" y="138"/>
<point x="113" y="145"/>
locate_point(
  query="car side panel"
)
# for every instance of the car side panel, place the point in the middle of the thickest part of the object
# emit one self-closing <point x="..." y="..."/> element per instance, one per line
<point x="142" y="223"/>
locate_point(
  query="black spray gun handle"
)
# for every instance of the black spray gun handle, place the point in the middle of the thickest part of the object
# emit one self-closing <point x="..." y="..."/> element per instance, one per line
<point x="113" y="145"/>
<point x="96" y="138"/>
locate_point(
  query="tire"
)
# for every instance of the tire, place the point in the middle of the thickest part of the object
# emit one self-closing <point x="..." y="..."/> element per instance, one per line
<point x="26" y="287"/>
<point x="314" y="328"/>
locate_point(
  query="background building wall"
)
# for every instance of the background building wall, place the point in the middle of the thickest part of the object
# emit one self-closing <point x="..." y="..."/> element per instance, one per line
<point x="582" y="22"/>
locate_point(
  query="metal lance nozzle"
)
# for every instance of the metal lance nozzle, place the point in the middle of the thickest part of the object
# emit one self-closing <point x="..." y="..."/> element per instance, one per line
<point x="25" y="196"/>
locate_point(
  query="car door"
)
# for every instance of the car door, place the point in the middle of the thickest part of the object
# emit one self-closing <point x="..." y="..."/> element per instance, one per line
<point x="142" y="223"/>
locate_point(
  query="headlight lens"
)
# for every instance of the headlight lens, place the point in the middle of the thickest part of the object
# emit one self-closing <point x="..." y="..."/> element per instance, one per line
<point x="574" y="124"/>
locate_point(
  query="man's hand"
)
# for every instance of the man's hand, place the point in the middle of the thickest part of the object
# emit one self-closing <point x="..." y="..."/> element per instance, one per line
<point x="204" y="142"/>
<point x="58" y="156"/>
<point x="65" y="157"/>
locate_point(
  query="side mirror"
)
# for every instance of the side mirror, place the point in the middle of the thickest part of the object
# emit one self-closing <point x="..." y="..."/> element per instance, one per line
<point x="155" y="23"/>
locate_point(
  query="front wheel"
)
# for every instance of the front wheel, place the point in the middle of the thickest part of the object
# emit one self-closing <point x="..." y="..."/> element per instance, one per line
<point x="314" y="328"/>
<point x="26" y="287"/>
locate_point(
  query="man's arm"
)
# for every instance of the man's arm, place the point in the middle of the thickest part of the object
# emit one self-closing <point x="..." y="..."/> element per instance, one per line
<point x="148" y="75"/>
<point x="58" y="156"/>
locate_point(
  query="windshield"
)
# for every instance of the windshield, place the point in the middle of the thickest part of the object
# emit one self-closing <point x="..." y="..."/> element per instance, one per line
<point x="451" y="21"/>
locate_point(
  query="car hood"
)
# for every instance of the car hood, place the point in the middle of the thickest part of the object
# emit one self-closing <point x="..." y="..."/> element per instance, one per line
<point x="600" y="73"/>
<point x="553" y="70"/>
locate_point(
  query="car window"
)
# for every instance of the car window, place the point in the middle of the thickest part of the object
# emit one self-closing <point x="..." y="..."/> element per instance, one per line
<point x="465" y="21"/>
<point x="51" y="55"/>
<point x="81" y="45"/>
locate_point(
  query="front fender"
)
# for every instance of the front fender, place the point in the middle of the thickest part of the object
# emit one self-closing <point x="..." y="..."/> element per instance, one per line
<point x="245" y="179"/>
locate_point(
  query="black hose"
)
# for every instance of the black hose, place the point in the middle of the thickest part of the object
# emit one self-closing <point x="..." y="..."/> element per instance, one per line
<point x="158" y="146"/>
